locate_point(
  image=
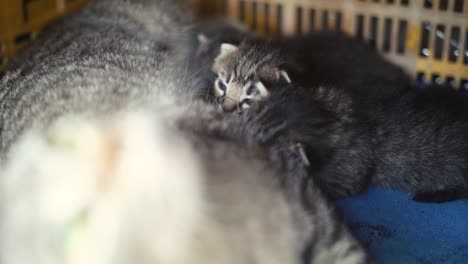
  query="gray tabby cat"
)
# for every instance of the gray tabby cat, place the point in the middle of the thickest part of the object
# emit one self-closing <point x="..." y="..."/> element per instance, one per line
<point x="107" y="57"/>
<point x="245" y="199"/>
<point x="199" y="199"/>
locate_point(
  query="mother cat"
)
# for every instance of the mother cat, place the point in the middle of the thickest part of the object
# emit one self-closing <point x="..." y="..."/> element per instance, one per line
<point x="118" y="56"/>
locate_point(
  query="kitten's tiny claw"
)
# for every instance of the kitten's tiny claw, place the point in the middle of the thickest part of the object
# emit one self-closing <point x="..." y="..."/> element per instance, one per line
<point x="302" y="154"/>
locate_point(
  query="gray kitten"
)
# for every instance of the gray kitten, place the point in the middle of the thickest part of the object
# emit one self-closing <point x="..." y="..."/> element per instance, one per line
<point x="412" y="140"/>
<point x="241" y="75"/>
<point x="125" y="56"/>
<point x="314" y="59"/>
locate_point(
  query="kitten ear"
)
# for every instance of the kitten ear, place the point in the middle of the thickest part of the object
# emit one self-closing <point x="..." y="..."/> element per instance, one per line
<point x="202" y="39"/>
<point x="283" y="76"/>
<point x="227" y="49"/>
<point x="261" y="89"/>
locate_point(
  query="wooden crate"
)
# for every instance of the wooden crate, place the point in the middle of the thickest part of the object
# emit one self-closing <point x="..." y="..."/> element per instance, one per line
<point x="428" y="38"/>
<point x="22" y="20"/>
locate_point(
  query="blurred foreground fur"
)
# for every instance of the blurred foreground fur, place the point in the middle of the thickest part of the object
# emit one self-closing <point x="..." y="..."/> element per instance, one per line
<point x="136" y="189"/>
<point x="88" y="182"/>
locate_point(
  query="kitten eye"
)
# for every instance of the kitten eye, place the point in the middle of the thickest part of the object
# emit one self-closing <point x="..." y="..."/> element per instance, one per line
<point x="251" y="90"/>
<point x="246" y="102"/>
<point x="222" y="86"/>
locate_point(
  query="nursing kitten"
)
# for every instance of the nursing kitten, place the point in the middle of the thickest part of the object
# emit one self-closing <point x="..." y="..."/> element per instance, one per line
<point x="332" y="59"/>
<point x="421" y="143"/>
<point x="326" y="59"/>
<point x="181" y="183"/>
<point x="242" y="73"/>
<point x="413" y="140"/>
<point x="206" y="47"/>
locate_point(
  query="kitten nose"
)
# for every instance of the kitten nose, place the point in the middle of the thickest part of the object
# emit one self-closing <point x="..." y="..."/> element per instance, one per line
<point x="229" y="105"/>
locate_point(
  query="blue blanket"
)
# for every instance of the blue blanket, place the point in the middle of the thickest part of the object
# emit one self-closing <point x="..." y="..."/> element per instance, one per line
<point x="399" y="230"/>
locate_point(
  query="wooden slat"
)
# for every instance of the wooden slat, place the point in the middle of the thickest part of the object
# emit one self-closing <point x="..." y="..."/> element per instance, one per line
<point x="394" y="37"/>
<point x="461" y="44"/>
<point x="13" y="22"/>
<point x="288" y="22"/>
<point x="273" y="20"/>
<point x="233" y="8"/>
<point x="380" y="32"/>
<point x="60" y="5"/>
<point x="446" y="44"/>
<point x="435" y="5"/>
<point x="451" y="5"/>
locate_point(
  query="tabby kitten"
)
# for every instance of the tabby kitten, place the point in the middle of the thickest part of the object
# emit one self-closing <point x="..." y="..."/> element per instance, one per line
<point x="412" y="140"/>
<point x="312" y="59"/>
<point x="242" y="74"/>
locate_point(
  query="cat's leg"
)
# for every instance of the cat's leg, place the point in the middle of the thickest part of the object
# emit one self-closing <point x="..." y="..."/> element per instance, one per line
<point x="331" y="242"/>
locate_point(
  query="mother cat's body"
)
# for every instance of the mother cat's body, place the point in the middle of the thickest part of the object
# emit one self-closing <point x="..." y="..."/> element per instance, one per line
<point x="128" y="55"/>
<point x="110" y="56"/>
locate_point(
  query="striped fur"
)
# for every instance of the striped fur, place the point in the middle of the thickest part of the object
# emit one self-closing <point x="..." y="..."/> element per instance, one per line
<point x="181" y="184"/>
<point x="243" y="74"/>
<point x="160" y="188"/>
<point x="107" y="57"/>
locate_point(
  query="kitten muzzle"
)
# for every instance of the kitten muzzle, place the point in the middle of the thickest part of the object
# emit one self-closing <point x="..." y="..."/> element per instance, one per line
<point x="229" y="105"/>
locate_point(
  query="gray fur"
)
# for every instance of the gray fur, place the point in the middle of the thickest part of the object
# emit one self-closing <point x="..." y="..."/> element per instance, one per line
<point x="217" y="137"/>
<point x="242" y="73"/>
<point x="117" y="56"/>
<point x="109" y="56"/>
<point x="204" y="52"/>
<point x="405" y="139"/>
<point x="314" y="59"/>
<point x="247" y="63"/>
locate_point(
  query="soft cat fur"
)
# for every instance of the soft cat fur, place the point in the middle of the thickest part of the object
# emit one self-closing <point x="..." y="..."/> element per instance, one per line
<point x="206" y="47"/>
<point x="109" y="56"/>
<point x="116" y="192"/>
<point x="92" y="188"/>
<point x="242" y="74"/>
<point x="332" y="59"/>
<point x="412" y="140"/>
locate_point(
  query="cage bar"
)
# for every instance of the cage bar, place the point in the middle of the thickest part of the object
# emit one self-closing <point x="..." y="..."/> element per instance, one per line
<point x="394" y="27"/>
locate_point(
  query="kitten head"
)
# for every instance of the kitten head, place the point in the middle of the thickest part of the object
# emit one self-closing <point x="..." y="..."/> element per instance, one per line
<point x="244" y="73"/>
<point x="211" y="37"/>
